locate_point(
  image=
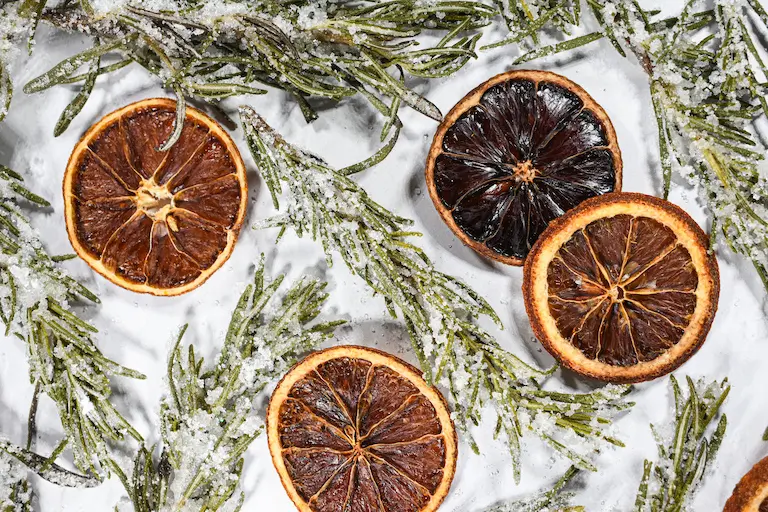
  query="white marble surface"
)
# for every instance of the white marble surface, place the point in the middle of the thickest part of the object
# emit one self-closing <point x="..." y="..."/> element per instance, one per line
<point x="136" y="330"/>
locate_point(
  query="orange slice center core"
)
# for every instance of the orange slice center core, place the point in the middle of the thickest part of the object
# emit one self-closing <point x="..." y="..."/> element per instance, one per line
<point x="525" y="171"/>
<point x="616" y="293"/>
<point x="154" y="200"/>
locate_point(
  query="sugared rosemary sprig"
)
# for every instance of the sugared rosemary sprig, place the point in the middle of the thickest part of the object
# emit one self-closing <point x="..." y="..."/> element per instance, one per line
<point x="65" y="363"/>
<point x="555" y="499"/>
<point x="686" y="450"/>
<point x="439" y="311"/>
<point x="209" y="417"/>
<point x="208" y="50"/>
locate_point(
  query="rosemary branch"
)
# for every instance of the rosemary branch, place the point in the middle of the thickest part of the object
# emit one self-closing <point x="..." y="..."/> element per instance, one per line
<point x="65" y="363"/>
<point x="438" y="310"/>
<point x="209" y="51"/>
<point x="687" y="450"/>
<point x="210" y="416"/>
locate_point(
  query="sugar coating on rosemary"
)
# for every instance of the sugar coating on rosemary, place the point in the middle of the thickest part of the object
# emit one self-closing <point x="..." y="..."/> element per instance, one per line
<point x="687" y="447"/>
<point x="15" y="492"/>
<point x="439" y="311"/>
<point x="65" y="363"/>
<point x="210" y="415"/>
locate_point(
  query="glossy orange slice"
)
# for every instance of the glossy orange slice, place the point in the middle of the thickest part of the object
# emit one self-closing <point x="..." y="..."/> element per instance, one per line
<point x="151" y="221"/>
<point x="356" y="430"/>
<point x="515" y="153"/>
<point x="622" y="288"/>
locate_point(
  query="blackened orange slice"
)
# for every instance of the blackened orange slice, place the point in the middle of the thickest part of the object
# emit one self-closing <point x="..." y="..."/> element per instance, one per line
<point x="515" y="153"/>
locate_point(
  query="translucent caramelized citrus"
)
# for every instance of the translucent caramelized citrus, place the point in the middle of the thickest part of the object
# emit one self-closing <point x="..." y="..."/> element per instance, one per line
<point x="751" y="493"/>
<point x="622" y="288"/>
<point x="151" y="221"/>
<point x="518" y="151"/>
<point x="356" y="430"/>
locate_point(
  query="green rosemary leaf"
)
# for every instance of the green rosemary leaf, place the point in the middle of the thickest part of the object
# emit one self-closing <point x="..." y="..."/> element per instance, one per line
<point x="104" y="70"/>
<point x="6" y="91"/>
<point x="65" y="68"/>
<point x="223" y="90"/>
<point x="77" y="104"/>
<point x="642" y="492"/>
<point x="28" y="195"/>
<point x="414" y="100"/>
<point x="178" y="122"/>
<point x="555" y="49"/>
<point x="32" y="9"/>
<point x="608" y="27"/>
<point x="666" y="162"/>
<point x="374" y="159"/>
<point x="63" y="257"/>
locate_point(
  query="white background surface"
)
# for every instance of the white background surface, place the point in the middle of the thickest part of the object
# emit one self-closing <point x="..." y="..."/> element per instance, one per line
<point x="136" y="330"/>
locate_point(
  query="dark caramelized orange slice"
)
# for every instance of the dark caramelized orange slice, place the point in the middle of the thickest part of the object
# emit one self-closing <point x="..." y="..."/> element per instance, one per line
<point x="751" y="493"/>
<point x="151" y="221"/>
<point x="517" y="152"/>
<point x="622" y="288"/>
<point x="356" y="430"/>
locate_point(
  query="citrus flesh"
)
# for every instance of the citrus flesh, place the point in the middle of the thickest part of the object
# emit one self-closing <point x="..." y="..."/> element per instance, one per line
<point x="622" y="288"/>
<point x="152" y="221"/>
<point x="353" y="429"/>
<point x="517" y="152"/>
<point x="751" y="493"/>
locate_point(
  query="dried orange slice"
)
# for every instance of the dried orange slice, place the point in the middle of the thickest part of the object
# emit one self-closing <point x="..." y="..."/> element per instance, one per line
<point x="518" y="151"/>
<point x="751" y="493"/>
<point x="151" y="221"/>
<point x="353" y="429"/>
<point x="622" y="288"/>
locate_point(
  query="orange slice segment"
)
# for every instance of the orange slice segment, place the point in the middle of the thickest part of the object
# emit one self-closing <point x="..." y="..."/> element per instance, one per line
<point x="622" y="288"/>
<point x="151" y="221"/>
<point x="355" y="429"/>
<point x="751" y="493"/>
